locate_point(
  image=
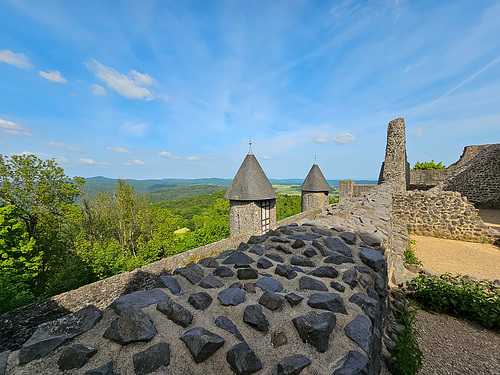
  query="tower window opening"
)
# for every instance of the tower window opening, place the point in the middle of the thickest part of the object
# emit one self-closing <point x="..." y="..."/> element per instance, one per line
<point x="265" y="214"/>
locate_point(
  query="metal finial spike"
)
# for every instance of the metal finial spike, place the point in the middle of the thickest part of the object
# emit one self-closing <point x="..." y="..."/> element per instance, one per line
<point x="250" y="144"/>
<point x="314" y="158"/>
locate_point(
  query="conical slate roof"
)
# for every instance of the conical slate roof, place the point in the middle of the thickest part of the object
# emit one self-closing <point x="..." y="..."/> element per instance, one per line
<point x="250" y="182"/>
<point x="315" y="181"/>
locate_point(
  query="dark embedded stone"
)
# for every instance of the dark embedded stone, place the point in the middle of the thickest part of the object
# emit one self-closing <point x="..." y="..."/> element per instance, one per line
<point x="231" y="296"/>
<point x="338" y="259"/>
<point x="223" y="271"/>
<point x="360" y="331"/>
<point x="380" y="287"/>
<point x="271" y="300"/>
<point x="283" y="249"/>
<point x="293" y="365"/>
<point x="243" y="246"/>
<point x="236" y="285"/>
<point x="295" y="225"/>
<point x="256" y="249"/>
<point x="371" y="239"/>
<point x="321" y="232"/>
<point x="74" y="356"/>
<point x="201" y="343"/>
<point x="257" y="239"/>
<point x="225" y="254"/>
<point x="298" y="260"/>
<point x="249" y="287"/>
<point x="228" y="325"/>
<point x="169" y="282"/>
<point x="272" y="233"/>
<point x="350" y="278"/>
<point x="243" y="360"/>
<point x="192" y="272"/>
<point x="269" y="247"/>
<point x="337" y="286"/>
<point x="247" y="273"/>
<point x="255" y="318"/>
<point x="327" y="301"/>
<point x="269" y="284"/>
<point x="348" y="237"/>
<point x="280" y="240"/>
<point x="209" y="262"/>
<point x="210" y="282"/>
<point x="362" y="269"/>
<point x="354" y="364"/>
<point x="364" y="279"/>
<point x="293" y="299"/>
<point x="152" y="359"/>
<point x="324" y="252"/>
<point x="285" y="271"/>
<point x="175" y="312"/>
<point x="337" y="245"/>
<point x="141" y="298"/>
<point x="325" y="271"/>
<point x="239" y="259"/>
<point x="308" y="283"/>
<point x="298" y="244"/>
<point x="310" y="252"/>
<point x="279" y="339"/>
<point x="315" y="329"/>
<point x="367" y="304"/>
<point x="200" y="300"/>
<point x="298" y="269"/>
<point x="4" y="356"/>
<point x="49" y="336"/>
<point x="275" y="257"/>
<point x="285" y="230"/>
<point x="264" y="263"/>
<point x="106" y="369"/>
<point x="372" y="258"/>
<point x="132" y="325"/>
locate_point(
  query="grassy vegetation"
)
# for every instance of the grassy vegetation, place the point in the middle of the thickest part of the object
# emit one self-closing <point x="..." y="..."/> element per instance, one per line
<point x="287" y="189"/>
<point x="409" y="255"/>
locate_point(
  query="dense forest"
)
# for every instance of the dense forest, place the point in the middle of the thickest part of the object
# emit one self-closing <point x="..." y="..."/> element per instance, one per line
<point x="55" y="237"/>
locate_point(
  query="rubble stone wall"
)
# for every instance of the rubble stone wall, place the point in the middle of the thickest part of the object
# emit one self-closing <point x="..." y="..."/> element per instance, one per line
<point x="245" y="217"/>
<point x="313" y="200"/>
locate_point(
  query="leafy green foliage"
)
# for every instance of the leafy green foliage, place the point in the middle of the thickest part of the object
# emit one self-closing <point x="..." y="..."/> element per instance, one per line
<point x="406" y="353"/>
<point x="460" y="296"/>
<point x="287" y="205"/>
<point x="427" y="166"/>
<point x="409" y="256"/>
<point x="183" y="192"/>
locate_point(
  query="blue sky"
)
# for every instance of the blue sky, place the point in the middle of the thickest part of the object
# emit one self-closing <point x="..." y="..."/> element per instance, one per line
<point x="174" y="89"/>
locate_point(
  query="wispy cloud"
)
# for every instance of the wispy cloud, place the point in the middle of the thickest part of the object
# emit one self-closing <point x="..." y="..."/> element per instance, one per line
<point x="13" y="128"/>
<point x="91" y="162"/>
<point x="63" y="147"/>
<point x="193" y="158"/>
<point x="344" y="138"/>
<point x="41" y="155"/>
<point x="418" y="132"/>
<point x="119" y="150"/>
<point x="167" y="154"/>
<point x="265" y="157"/>
<point x="130" y="86"/>
<point x="134" y="162"/>
<point x="320" y="140"/>
<point x="19" y="60"/>
<point x="98" y="90"/>
<point x="54" y="76"/>
<point x="139" y="130"/>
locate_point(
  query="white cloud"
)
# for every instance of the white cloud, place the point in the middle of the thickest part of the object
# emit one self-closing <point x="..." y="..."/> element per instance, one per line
<point x="98" y="90"/>
<point x="130" y="86"/>
<point x="61" y="146"/>
<point x="17" y="59"/>
<point x="54" y="76"/>
<point x="92" y="162"/>
<point x="13" y="128"/>
<point x="118" y="150"/>
<point x="320" y="140"/>
<point x="344" y="138"/>
<point x="193" y="158"/>
<point x="167" y="154"/>
<point x="138" y="130"/>
<point x="134" y="162"/>
<point x="41" y="155"/>
<point x="265" y="157"/>
<point x="418" y="132"/>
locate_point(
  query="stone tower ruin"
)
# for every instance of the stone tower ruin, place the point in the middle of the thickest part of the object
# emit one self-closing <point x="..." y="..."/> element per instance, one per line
<point x="252" y="199"/>
<point x="395" y="168"/>
<point x="315" y="190"/>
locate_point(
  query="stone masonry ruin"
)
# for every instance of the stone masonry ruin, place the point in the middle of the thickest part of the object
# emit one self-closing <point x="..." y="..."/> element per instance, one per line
<point x="315" y="294"/>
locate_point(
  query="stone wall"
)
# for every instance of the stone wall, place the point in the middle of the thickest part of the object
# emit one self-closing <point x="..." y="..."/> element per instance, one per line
<point x="442" y="214"/>
<point x="245" y="217"/>
<point x="313" y="199"/>
<point x="349" y="189"/>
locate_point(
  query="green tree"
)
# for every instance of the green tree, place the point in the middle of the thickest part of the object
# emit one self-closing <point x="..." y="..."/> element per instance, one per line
<point x="427" y="166"/>
<point x="36" y="187"/>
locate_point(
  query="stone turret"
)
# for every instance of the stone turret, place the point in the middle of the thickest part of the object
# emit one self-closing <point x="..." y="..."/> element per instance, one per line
<point x="314" y="190"/>
<point x="252" y="199"/>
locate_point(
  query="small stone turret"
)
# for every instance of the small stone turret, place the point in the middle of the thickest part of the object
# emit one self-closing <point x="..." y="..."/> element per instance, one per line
<point x="314" y="190"/>
<point x="252" y="199"/>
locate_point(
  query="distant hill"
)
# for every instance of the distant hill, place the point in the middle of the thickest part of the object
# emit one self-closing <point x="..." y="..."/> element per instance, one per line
<point x="182" y="192"/>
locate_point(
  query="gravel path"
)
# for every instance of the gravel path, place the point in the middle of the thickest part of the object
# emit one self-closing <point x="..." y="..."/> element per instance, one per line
<point x="450" y="345"/>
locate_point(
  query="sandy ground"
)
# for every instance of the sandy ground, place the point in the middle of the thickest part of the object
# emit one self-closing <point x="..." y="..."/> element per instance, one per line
<point x="458" y="257"/>
<point x="491" y="218"/>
